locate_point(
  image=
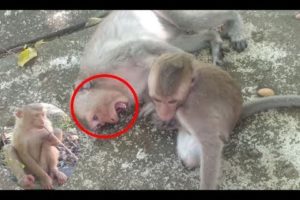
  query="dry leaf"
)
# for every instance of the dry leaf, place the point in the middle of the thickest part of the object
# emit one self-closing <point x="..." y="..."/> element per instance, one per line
<point x="26" y="55"/>
<point x="92" y="21"/>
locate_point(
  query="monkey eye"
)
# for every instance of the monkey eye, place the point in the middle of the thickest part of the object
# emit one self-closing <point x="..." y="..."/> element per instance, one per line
<point x="95" y="118"/>
<point x="156" y="100"/>
<point x="87" y="86"/>
<point x="172" y="101"/>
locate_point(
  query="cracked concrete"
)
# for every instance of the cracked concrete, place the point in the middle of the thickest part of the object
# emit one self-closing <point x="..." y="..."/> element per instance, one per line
<point x="24" y="25"/>
<point x="262" y="153"/>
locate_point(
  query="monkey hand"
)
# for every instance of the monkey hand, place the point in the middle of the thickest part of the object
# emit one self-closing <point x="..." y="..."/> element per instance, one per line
<point x="147" y="110"/>
<point x="47" y="183"/>
<point x="239" y="45"/>
<point x="52" y="139"/>
<point x="27" y="181"/>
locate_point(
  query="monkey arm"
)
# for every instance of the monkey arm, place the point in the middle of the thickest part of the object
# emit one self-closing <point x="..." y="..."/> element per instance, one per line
<point x="211" y="153"/>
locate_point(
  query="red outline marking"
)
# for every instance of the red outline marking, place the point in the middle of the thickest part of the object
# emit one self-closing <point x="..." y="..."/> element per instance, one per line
<point x="102" y="136"/>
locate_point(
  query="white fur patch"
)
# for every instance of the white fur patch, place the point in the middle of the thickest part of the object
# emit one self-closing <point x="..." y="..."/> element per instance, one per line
<point x="188" y="149"/>
<point x="151" y="23"/>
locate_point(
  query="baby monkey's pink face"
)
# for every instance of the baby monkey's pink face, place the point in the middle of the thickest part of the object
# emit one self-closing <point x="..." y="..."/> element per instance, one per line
<point x="35" y="118"/>
<point x="169" y="82"/>
<point x="99" y="106"/>
<point x="165" y="107"/>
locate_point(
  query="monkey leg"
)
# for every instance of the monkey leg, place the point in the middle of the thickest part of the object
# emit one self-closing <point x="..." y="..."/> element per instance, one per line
<point x="188" y="149"/>
<point x="233" y="29"/>
<point x="200" y="40"/>
<point x="17" y="168"/>
<point x="199" y="20"/>
<point x="49" y="162"/>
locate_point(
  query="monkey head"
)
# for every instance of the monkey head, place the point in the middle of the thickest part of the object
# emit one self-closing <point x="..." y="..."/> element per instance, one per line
<point x="99" y="102"/>
<point x="32" y="116"/>
<point x="169" y="83"/>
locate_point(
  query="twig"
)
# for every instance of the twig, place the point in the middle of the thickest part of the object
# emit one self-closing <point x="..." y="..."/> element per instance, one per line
<point x="68" y="150"/>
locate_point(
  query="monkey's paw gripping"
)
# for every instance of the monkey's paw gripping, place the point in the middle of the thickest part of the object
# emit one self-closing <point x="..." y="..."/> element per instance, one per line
<point x="219" y="61"/>
<point x="239" y="46"/>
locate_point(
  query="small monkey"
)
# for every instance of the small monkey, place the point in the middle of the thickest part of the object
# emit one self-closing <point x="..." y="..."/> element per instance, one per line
<point x="126" y="43"/>
<point x="207" y="104"/>
<point x="33" y="151"/>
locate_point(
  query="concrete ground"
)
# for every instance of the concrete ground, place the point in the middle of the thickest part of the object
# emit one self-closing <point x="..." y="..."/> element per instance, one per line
<point x="263" y="152"/>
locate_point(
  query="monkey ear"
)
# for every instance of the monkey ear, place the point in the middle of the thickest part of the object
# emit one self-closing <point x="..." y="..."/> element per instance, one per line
<point x="19" y="113"/>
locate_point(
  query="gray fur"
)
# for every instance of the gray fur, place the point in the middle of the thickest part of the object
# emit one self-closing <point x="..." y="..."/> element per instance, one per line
<point x="267" y="103"/>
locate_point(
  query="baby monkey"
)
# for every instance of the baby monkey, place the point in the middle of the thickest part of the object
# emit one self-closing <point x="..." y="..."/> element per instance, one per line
<point x="33" y="151"/>
<point x="206" y="103"/>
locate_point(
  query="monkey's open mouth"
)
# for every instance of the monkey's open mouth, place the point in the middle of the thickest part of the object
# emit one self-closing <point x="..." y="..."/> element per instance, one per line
<point x="121" y="106"/>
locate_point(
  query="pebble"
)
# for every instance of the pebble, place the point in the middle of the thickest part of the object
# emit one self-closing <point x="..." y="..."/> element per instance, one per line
<point x="265" y="92"/>
<point x="73" y="137"/>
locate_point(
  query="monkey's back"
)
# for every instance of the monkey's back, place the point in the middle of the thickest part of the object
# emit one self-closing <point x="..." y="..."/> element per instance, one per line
<point x="215" y="100"/>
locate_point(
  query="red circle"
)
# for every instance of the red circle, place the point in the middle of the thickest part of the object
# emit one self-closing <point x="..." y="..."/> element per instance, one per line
<point x="99" y="136"/>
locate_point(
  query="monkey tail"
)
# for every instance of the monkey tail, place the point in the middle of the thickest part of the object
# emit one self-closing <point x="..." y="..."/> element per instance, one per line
<point x="271" y="102"/>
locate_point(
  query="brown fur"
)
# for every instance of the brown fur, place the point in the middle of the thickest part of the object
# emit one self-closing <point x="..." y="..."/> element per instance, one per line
<point x="208" y="109"/>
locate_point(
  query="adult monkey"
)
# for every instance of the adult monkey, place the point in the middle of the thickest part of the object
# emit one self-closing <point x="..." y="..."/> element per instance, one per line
<point x="127" y="42"/>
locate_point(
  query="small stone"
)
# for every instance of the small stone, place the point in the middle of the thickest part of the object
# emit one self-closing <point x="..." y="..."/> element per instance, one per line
<point x="73" y="137"/>
<point x="297" y="16"/>
<point x="265" y="92"/>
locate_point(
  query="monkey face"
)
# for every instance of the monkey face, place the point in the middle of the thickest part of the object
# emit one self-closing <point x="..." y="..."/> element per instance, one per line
<point x="33" y="118"/>
<point x="38" y="119"/>
<point x="98" y="106"/>
<point x="165" y="107"/>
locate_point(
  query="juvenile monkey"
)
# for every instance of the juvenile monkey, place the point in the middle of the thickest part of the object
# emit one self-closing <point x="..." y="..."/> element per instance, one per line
<point x="207" y="103"/>
<point x="33" y="151"/>
<point x="126" y="43"/>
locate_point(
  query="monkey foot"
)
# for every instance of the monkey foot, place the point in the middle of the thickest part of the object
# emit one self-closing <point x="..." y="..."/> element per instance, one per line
<point x="239" y="46"/>
<point x="27" y="182"/>
<point x="59" y="176"/>
<point x="189" y="166"/>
